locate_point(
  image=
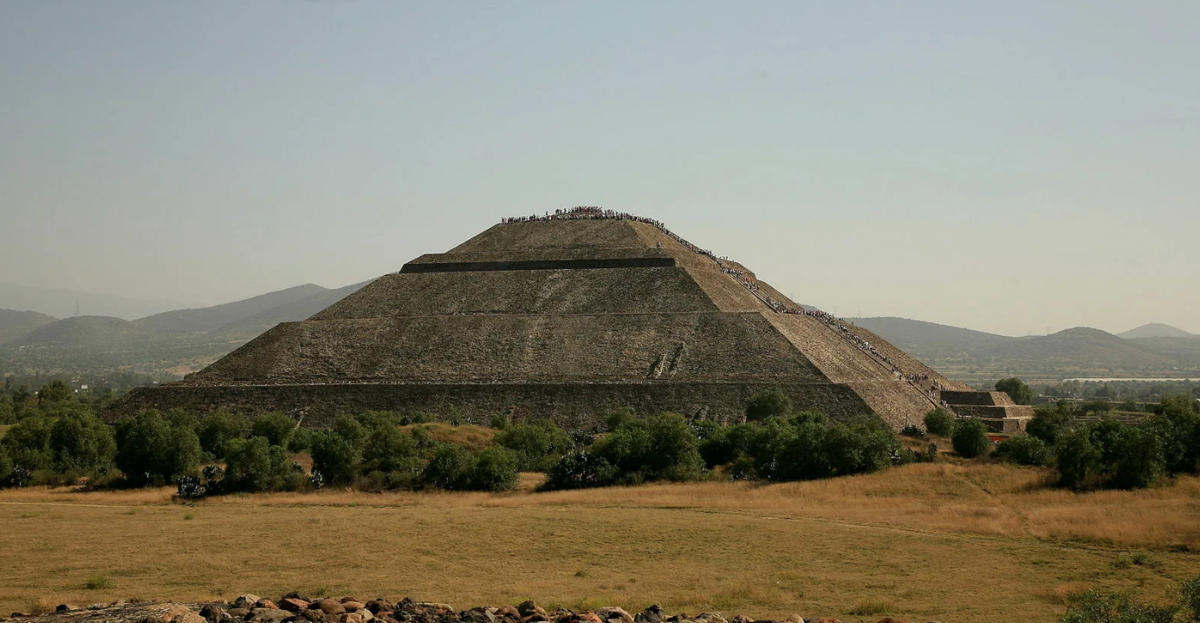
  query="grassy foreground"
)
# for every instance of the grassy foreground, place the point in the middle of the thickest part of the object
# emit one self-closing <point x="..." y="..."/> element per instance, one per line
<point x="948" y="542"/>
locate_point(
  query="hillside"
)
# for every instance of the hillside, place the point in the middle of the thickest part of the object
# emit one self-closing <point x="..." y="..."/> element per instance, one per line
<point x="928" y="340"/>
<point x="202" y="320"/>
<point x="14" y="324"/>
<point x="975" y="357"/>
<point x="1154" y="329"/>
<point x="64" y="303"/>
<point x="173" y="342"/>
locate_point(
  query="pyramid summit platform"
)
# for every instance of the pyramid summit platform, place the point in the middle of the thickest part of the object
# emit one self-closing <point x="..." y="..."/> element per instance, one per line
<point x="566" y="316"/>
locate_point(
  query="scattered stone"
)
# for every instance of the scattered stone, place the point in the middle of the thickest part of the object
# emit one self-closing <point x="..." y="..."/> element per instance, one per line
<point x="380" y="605"/>
<point x="352" y="605"/>
<point x="890" y="620"/>
<point x="246" y="601"/>
<point x="293" y="604"/>
<point x="328" y="606"/>
<point x="614" y="615"/>
<point x="266" y="603"/>
<point x="237" y="613"/>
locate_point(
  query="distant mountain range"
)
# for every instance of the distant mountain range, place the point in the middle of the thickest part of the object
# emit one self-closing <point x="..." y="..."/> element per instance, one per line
<point x="64" y="303"/>
<point x="184" y="340"/>
<point x="963" y="354"/>
<point x="173" y="342"/>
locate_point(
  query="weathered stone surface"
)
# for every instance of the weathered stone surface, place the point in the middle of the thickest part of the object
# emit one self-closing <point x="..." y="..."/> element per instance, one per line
<point x="328" y="606"/>
<point x="293" y="604"/>
<point x="614" y="615"/>
<point x="562" y="319"/>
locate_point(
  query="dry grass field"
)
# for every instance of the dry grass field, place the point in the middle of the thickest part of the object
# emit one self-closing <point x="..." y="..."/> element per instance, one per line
<point x="925" y="542"/>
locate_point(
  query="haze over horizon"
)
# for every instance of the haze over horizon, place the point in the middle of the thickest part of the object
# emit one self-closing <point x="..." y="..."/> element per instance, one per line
<point x="1018" y="168"/>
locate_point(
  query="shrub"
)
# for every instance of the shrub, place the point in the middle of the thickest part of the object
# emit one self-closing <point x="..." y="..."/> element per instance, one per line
<point x="862" y="445"/>
<point x="301" y="440"/>
<point x="660" y="447"/>
<point x="54" y="392"/>
<point x="580" y="470"/>
<point x="1177" y="426"/>
<point x="726" y="444"/>
<point x="1078" y="459"/>
<point x="499" y="422"/>
<point x="450" y="468"/>
<point x="1016" y="389"/>
<point x="1138" y="458"/>
<point x="275" y="427"/>
<point x="1096" y="607"/>
<point x="256" y="465"/>
<point x="389" y="449"/>
<point x="939" y="422"/>
<point x="219" y="428"/>
<point x="349" y="428"/>
<point x="495" y="470"/>
<point x="6" y="466"/>
<point x="537" y="446"/>
<point x="149" y="448"/>
<point x="335" y="458"/>
<point x="1024" y="450"/>
<point x="970" y="439"/>
<point x="28" y="444"/>
<point x="767" y="403"/>
<point x="617" y="419"/>
<point x="1049" y="423"/>
<point x="80" y="442"/>
<point x="179" y="418"/>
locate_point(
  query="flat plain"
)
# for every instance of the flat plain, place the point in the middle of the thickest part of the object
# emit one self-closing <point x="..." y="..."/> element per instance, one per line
<point x="948" y="542"/>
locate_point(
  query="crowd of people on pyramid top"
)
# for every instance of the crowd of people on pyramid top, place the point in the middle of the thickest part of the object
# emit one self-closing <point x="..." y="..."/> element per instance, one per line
<point x="597" y="213"/>
<point x="581" y="213"/>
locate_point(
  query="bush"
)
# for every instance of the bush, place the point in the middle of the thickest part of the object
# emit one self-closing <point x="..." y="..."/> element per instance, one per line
<point x="451" y="468"/>
<point x="389" y="449"/>
<point x="80" y="442"/>
<point x="1024" y="450"/>
<point x="537" y="446"/>
<point x="335" y="458"/>
<point x="495" y="470"/>
<point x="1096" y="607"/>
<point x="580" y="470"/>
<point x="1177" y="426"/>
<point x="301" y="440"/>
<point x="6" y="467"/>
<point x="660" y="447"/>
<point x="970" y="439"/>
<point x="939" y="422"/>
<point x="617" y="419"/>
<point x="219" y="428"/>
<point x="350" y="429"/>
<point x="1016" y="389"/>
<point x="767" y="403"/>
<point x="1049" y="423"/>
<point x="1078" y="459"/>
<point x="1138" y="458"/>
<point x="275" y="427"/>
<point x="28" y="444"/>
<point x="149" y="448"/>
<point x="256" y="465"/>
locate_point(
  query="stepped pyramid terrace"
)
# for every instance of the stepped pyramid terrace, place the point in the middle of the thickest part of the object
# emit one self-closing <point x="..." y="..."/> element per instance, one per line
<point x="570" y="316"/>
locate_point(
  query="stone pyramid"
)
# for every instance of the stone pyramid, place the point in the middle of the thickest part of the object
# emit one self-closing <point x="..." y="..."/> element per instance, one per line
<point x="569" y="317"/>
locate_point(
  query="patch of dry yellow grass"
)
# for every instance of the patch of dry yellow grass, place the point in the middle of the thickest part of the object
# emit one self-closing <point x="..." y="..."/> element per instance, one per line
<point x="474" y="438"/>
<point x="948" y="542"/>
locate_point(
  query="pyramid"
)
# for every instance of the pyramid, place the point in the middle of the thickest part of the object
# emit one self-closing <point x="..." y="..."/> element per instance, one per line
<point x="569" y="317"/>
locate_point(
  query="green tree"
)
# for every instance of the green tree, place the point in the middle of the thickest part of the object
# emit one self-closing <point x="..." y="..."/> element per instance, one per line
<point x="1016" y="389"/>
<point x="451" y="468"/>
<point x="1024" y="450"/>
<point x="1138" y="458"/>
<point x="661" y="447"/>
<point x="276" y="427"/>
<point x="7" y="414"/>
<point x="939" y="422"/>
<point x="54" y="392"/>
<point x="767" y="403"/>
<point x="495" y="470"/>
<point x="970" y="439"/>
<point x="538" y="446"/>
<point x="80" y="442"/>
<point x="6" y="466"/>
<point x="256" y="465"/>
<point x="389" y="449"/>
<point x="220" y="428"/>
<point x="149" y="448"/>
<point x="28" y="444"/>
<point x="1049" y="423"/>
<point x="335" y="457"/>
<point x="1079" y="460"/>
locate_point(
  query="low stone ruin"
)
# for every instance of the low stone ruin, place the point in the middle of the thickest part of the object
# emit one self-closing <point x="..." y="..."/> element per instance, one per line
<point x="296" y="608"/>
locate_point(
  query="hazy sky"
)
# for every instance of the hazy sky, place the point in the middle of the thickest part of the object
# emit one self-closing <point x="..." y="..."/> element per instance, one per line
<point x="1009" y="166"/>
